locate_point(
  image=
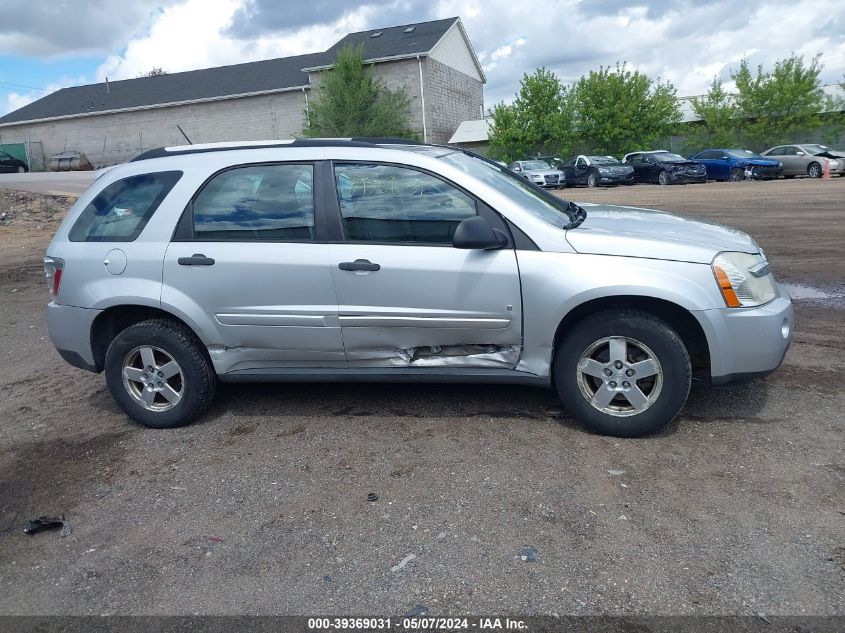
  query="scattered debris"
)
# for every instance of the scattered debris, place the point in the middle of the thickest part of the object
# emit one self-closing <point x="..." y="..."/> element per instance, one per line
<point x="441" y="536"/>
<point x="529" y="554"/>
<point x="371" y="497"/>
<point x="417" y="611"/>
<point x="616" y="473"/>
<point x="764" y="618"/>
<point x="401" y="564"/>
<point x="213" y="538"/>
<point x="41" y="524"/>
<point x="622" y="517"/>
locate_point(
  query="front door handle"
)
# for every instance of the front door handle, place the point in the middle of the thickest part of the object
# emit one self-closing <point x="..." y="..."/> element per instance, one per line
<point x="359" y="264"/>
<point x="197" y="259"/>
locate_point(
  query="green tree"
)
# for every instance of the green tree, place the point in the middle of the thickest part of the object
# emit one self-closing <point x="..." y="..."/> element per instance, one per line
<point x="618" y="111"/>
<point x="776" y="105"/>
<point x="718" y="125"/>
<point x="539" y="121"/>
<point x="352" y="101"/>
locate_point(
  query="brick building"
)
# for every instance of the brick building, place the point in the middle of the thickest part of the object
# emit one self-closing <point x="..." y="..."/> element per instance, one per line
<point x="110" y="122"/>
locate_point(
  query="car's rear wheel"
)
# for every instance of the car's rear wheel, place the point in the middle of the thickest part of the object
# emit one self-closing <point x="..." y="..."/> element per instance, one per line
<point x="814" y="170"/>
<point x="663" y="178"/>
<point x="737" y="174"/>
<point x="622" y="372"/>
<point x="159" y="374"/>
<point x="591" y="180"/>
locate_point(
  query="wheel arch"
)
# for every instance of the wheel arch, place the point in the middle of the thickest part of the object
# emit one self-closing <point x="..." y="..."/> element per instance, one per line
<point x="681" y="320"/>
<point x="113" y="320"/>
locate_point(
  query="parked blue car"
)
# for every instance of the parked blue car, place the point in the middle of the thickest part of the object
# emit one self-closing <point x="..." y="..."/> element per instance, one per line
<point x="737" y="164"/>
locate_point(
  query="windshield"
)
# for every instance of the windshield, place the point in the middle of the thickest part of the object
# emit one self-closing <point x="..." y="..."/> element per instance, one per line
<point x="535" y="201"/>
<point x="817" y="149"/>
<point x="535" y="164"/>
<point x="668" y="158"/>
<point x="603" y="160"/>
<point x="743" y="153"/>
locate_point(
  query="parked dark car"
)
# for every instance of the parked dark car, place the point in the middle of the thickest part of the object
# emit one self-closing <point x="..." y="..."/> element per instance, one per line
<point x="9" y="163"/>
<point x="594" y="171"/>
<point x="738" y="164"/>
<point x="665" y="168"/>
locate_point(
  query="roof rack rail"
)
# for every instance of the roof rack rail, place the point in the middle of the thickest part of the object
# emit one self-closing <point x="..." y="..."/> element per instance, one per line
<point x="163" y="152"/>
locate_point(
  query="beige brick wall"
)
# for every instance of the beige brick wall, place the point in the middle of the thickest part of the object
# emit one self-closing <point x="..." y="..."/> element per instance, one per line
<point x="450" y="98"/>
<point x="274" y="116"/>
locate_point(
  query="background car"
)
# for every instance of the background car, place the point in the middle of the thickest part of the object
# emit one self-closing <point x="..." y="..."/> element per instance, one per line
<point x="807" y="160"/>
<point x="665" y="168"/>
<point x="539" y="172"/>
<point x="597" y="170"/>
<point x="9" y="163"/>
<point x="737" y="164"/>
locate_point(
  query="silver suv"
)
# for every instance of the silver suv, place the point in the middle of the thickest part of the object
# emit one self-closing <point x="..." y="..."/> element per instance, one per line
<point x="338" y="260"/>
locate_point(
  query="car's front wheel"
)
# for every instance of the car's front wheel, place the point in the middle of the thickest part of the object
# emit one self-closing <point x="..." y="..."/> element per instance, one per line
<point x="622" y="372"/>
<point x="21" y="169"/>
<point x="663" y="178"/>
<point x="737" y="174"/>
<point x="814" y="170"/>
<point x="159" y="373"/>
<point x="592" y="181"/>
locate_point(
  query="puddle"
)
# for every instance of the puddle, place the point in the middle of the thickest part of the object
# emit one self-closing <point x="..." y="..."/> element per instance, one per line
<point x="801" y="292"/>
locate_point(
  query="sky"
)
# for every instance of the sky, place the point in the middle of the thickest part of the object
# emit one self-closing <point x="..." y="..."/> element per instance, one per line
<point x="45" y="46"/>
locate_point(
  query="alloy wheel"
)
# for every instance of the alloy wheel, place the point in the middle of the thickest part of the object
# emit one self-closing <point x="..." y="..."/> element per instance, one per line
<point x="153" y="378"/>
<point x="619" y="376"/>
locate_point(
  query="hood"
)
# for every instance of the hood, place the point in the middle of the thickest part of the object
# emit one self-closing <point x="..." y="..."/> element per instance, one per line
<point x="543" y="172"/>
<point x="632" y="232"/>
<point x="831" y="154"/>
<point x="685" y="162"/>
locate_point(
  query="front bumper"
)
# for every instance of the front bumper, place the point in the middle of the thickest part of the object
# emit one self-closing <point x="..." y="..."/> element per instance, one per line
<point x="760" y="172"/>
<point x="70" y="331"/>
<point x="616" y="179"/>
<point x="748" y="342"/>
<point x="681" y="177"/>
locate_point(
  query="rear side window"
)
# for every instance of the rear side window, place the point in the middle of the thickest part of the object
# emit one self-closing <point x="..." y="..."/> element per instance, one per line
<point x="121" y="211"/>
<point x="261" y="202"/>
<point x="383" y="203"/>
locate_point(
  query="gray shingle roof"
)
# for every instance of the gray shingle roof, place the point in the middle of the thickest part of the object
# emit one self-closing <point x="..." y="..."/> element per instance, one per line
<point x="210" y="83"/>
<point x="394" y="41"/>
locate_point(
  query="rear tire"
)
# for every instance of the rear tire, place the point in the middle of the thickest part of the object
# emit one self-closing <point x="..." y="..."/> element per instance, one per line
<point x="623" y="404"/>
<point x="814" y="170"/>
<point x="159" y="374"/>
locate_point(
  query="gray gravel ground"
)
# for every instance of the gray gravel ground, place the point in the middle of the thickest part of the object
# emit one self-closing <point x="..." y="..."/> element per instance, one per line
<point x="261" y="507"/>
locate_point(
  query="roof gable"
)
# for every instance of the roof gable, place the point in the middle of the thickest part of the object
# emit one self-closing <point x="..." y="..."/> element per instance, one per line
<point x="395" y="41"/>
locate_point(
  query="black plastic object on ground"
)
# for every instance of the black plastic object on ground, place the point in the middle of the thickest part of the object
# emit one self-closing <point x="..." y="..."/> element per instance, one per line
<point x="47" y="523"/>
<point x="372" y="497"/>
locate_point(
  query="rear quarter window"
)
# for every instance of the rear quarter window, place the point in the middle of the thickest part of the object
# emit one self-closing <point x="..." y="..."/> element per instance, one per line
<point x="121" y="211"/>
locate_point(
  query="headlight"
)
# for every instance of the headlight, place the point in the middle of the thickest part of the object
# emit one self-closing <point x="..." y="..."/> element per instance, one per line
<point x="744" y="279"/>
<point x="604" y="170"/>
<point x="780" y="164"/>
<point x="834" y="163"/>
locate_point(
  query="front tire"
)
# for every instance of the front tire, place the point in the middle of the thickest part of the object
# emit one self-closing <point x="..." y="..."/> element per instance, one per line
<point x="624" y="373"/>
<point x="21" y="169"/>
<point x="663" y="178"/>
<point x="591" y="180"/>
<point x="159" y="374"/>
<point x="737" y="174"/>
<point x="814" y="170"/>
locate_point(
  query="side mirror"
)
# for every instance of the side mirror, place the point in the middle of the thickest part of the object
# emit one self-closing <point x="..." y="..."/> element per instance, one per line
<point x="517" y="168"/>
<point x="723" y="157"/>
<point x="800" y="154"/>
<point x="476" y="233"/>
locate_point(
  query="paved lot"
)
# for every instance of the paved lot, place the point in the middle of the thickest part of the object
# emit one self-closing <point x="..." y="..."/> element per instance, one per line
<point x="66" y="182"/>
<point x="261" y="507"/>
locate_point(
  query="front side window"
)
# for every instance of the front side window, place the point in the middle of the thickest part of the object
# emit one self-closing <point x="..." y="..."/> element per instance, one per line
<point x="260" y="202"/>
<point x="121" y="211"/>
<point x="384" y="203"/>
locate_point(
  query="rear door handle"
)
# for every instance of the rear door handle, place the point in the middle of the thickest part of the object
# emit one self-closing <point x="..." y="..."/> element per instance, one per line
<point x="197" y="259"/>
<point x="359" y="264"/>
